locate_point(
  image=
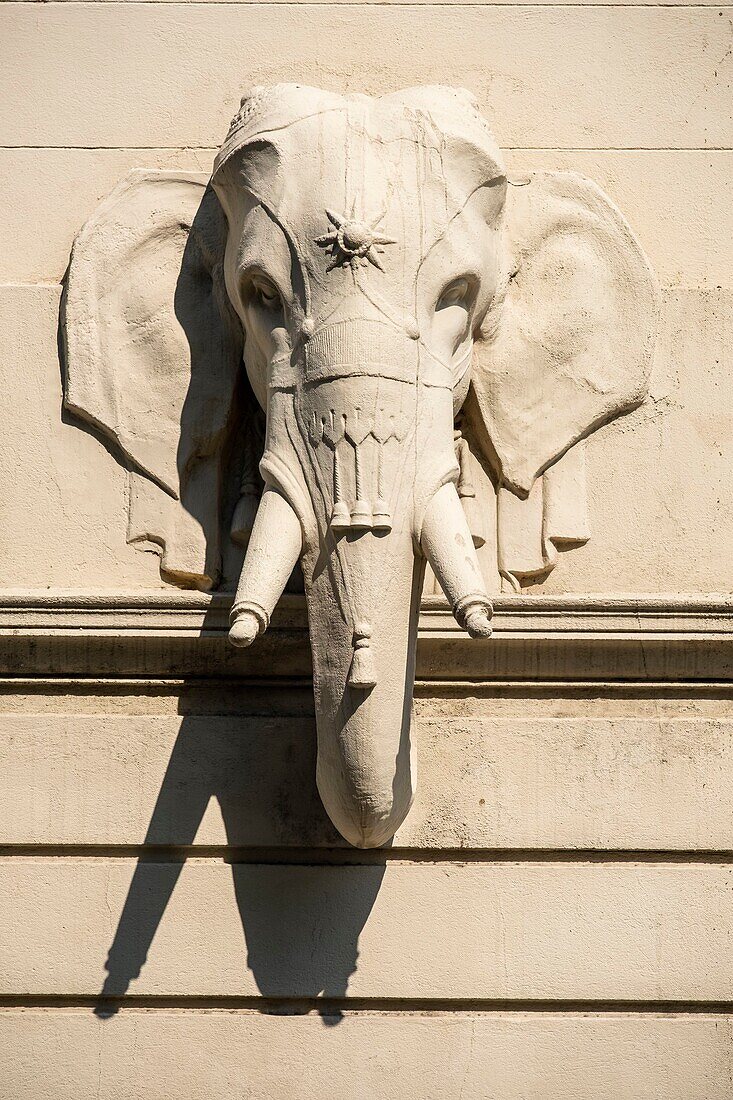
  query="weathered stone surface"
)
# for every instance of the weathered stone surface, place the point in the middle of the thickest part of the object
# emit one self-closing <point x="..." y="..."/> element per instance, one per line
<point x="196" y="1055"/>
<point x="68" y="506"/>
<point x="553" y="931"/>
<point x="507" y="55"/>
<point x="580" y="782"/>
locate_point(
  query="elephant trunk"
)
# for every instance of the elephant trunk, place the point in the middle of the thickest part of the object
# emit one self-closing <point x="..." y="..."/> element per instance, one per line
<point x="363" y="673"/>
<point x="361" y="485"/>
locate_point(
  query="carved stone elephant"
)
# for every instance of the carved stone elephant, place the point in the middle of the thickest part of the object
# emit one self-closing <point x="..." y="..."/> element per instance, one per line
<point x="377" y="262"/>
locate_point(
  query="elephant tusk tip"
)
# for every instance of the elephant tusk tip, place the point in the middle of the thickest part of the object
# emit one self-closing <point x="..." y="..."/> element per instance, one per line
<point x="244" y="630"/>
<point x="473" y="613"/>
<point x="478" y="623"/>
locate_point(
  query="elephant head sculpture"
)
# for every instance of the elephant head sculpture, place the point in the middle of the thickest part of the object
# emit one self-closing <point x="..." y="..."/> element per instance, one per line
<point x="370" y="261"/>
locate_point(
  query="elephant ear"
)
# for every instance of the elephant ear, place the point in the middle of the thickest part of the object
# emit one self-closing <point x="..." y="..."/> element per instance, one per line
<point x="153" y="354"/>
<point x="569" y="339"/>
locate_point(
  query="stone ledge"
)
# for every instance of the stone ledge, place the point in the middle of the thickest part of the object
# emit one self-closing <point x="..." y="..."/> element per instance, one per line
<point x="163" y="633"/>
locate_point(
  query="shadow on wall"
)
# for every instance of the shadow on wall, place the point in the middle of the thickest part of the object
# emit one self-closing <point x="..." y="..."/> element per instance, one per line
<point x="302" y="940"/>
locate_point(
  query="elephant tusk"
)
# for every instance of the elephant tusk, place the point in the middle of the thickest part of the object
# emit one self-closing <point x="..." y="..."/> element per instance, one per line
<point x="273" y="552"/>
<point x="447" y="544"/>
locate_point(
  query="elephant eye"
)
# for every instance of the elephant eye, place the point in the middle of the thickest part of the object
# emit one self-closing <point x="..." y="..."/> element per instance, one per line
<point x="266" y="294"/>
<point x="455" y="294"/>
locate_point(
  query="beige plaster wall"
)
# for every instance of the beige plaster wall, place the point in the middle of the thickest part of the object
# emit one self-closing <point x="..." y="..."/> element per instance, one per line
<point x="554" y="920"/>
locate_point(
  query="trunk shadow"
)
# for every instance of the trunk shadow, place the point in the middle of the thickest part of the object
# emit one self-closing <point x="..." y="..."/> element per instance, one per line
<point x="301" y="918"/>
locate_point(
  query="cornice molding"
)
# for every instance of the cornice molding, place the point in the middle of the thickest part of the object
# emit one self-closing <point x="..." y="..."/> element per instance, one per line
<point x="174" y="610"/>
<point x="162" y="633"/>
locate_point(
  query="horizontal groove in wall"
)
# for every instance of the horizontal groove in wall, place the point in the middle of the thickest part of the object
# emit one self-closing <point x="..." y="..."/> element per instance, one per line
<point x="154" y="685"/>
<point x="338" y="1007"/>
<point x="353" y="4"/>
<point x="355" y="857"/>
<point x="432" y="689"/>
<point x="549" y="659"/>
<point x="506" y="148"/>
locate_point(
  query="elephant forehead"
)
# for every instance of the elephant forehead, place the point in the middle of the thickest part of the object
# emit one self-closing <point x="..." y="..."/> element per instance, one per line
<point x="368" y="190"/>
<point x="367" y="187"/>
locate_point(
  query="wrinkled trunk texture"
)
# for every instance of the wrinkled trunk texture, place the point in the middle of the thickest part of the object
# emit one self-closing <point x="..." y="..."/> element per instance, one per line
<point x="366" y="767"/>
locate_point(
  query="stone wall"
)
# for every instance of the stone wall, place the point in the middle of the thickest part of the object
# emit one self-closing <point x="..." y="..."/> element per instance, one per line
<point x="177" y="916"/>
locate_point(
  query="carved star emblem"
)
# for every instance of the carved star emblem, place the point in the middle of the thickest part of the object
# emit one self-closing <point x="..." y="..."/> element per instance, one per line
<point x="354" y="241"/>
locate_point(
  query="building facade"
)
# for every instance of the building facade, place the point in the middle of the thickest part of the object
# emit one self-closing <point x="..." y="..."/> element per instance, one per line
<point x="179" y="915"/>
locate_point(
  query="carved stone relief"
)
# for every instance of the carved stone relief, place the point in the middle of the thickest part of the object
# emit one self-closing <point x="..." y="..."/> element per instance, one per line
<point x="430" y="344"/>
